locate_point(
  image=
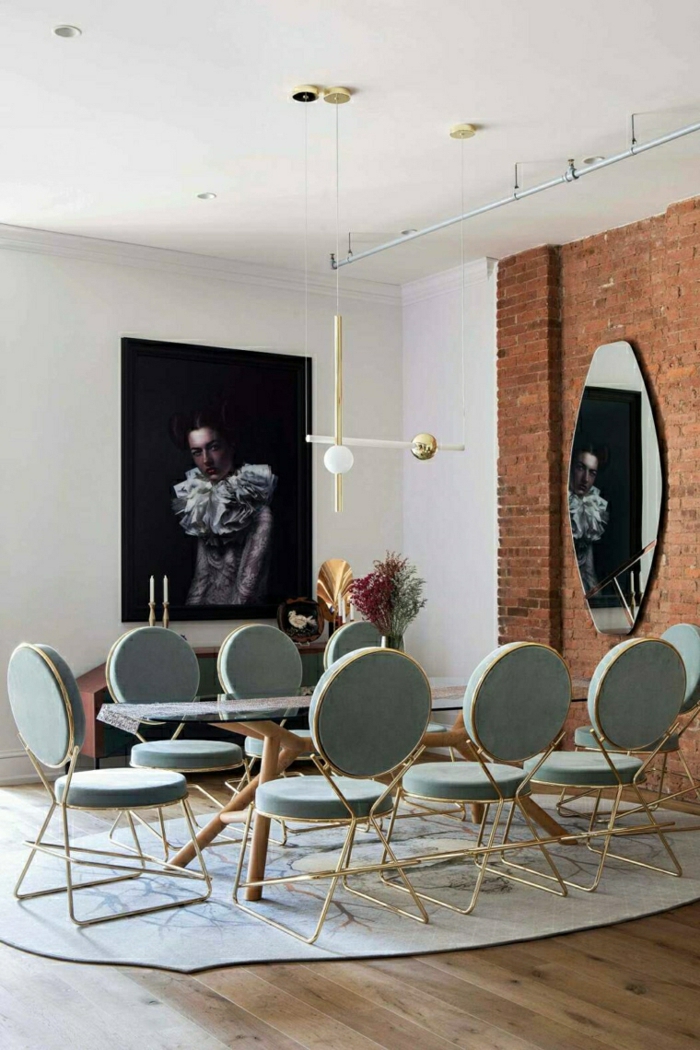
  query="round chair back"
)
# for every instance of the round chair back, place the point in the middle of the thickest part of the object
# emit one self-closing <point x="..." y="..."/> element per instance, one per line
<point x="517" y="700"/>
<point x="360" y="634"/>
<point x="369" y="711"/>
<point x="685" y="637"/>
<point x="152" y="665"/>
<point x="45" y="703"/>
<point x="636" y="692"/>
<point x="259" y="660"/>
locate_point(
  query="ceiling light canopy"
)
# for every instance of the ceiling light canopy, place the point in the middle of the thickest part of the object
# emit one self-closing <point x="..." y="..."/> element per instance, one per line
<point x="67" y="32"/>
<point x="208" y="196"/>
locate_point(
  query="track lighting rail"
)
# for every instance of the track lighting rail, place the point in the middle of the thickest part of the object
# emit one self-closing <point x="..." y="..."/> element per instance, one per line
<point x="572" y="174"/>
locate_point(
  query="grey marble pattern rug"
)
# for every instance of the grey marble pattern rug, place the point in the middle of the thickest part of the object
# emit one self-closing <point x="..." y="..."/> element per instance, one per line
<point x="218" y="933"/>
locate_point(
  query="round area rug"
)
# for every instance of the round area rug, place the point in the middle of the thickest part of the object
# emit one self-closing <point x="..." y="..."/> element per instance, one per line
<point x="218" y="933"/>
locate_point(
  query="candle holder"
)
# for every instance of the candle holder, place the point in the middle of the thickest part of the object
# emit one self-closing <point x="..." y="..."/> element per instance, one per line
<point x="152" y="614"/>
<point x="166" y="614"/>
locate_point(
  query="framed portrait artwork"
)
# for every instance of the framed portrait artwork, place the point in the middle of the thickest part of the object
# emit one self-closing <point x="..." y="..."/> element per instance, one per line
<point x="216" y="479"/>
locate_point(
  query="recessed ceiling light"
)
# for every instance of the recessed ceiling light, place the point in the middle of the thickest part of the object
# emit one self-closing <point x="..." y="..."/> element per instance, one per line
<point x="593" y="160"/>
<point x="66" y="31"/>
<point x="206" y="196"/>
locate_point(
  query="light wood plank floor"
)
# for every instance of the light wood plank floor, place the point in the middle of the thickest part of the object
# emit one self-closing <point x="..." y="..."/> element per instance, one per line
<point x="634" y="986"/>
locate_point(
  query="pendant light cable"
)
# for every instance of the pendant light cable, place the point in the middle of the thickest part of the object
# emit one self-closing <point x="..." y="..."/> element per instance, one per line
<point x="337" y="210"/>
<point x="308" y="422"/>
<point x="461" y="250"/>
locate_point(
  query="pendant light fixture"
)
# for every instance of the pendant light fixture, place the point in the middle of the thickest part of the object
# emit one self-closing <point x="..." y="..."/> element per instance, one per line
<point x="339" y="458"/>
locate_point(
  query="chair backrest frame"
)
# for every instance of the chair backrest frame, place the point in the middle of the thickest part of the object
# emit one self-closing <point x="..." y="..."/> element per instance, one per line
<point x="477" y="695"/>
<point x="74" y="719"/>
<point x="343" y="633"/>
<point x="620" y="722"/>
<point x="685" y="637"/>
<point x="277" y="637"/>
<point x="153" y="634"/>
<point x="324" y="695"/>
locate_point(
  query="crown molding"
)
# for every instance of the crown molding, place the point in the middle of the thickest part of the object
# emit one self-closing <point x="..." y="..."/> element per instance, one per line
<point x="165" y="260"/>
<point x="447" y="281"/>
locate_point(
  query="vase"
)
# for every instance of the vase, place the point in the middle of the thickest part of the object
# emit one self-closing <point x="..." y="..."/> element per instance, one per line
<point x="393" y="641"/>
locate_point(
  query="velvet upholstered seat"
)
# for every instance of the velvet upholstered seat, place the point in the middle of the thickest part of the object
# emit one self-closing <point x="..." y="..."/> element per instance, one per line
<point x="368" y="715"/>
<point x="515" y="704"/>
<point x="155" y="665"/>
<point x="685" y="638"/>
<point x="635" y="695"/>
<point x="47" y="708"/>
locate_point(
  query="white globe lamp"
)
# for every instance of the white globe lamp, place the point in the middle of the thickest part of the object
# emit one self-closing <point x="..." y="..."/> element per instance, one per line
<point x="338" y="459"/>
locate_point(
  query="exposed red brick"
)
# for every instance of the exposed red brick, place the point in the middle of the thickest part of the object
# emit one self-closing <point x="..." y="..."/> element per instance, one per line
<point x="640" y="283"/>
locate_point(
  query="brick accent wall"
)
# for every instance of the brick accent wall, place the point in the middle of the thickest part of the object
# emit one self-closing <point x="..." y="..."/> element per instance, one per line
<point x="529" y="438"/>
<point x="640" y="283"/>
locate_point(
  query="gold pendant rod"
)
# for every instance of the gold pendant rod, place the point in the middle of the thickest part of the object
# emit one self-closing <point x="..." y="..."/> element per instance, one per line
<point x="338" y="338"/>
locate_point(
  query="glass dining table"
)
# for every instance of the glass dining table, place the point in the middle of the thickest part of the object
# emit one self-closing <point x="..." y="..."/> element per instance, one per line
<point x="261" y="717"/>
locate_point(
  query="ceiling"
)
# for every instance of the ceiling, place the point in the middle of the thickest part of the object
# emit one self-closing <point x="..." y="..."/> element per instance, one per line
<point x="113" y="134"/>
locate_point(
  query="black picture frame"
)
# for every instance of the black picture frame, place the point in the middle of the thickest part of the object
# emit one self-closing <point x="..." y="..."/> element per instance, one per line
<point x="269" y="397"/>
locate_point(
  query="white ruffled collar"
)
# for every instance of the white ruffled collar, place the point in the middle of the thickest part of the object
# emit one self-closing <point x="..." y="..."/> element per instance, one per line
<point x="589" y="515"/>
<point x="211" y="509"/>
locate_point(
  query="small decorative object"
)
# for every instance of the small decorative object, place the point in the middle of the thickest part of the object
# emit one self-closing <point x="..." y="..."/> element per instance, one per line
<point x="299" y="618"/>
<point x="390" y="597"/>
<point x="166" y="603"/>
<point x="333" y="590"/>
<point x="152" y="603"/>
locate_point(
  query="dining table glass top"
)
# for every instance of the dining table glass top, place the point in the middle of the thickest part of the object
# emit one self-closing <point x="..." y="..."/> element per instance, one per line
<point x="447" y="695"/>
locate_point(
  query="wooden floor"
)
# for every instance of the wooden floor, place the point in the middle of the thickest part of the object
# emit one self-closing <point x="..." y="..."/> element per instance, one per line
<point x="631" y="986"/>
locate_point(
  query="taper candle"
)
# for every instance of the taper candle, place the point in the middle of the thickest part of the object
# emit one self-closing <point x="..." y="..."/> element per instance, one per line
<point x="165" y="589"/>
<point x="152" y="593"/>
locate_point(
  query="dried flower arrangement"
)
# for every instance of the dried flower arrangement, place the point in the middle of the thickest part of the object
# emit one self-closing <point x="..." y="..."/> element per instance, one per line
<point x="390" y="597"/>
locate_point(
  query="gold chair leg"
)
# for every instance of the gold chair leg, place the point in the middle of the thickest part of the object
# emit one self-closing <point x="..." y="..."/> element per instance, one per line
<point x="481" y="868"/>
<point x="334" y="879"/>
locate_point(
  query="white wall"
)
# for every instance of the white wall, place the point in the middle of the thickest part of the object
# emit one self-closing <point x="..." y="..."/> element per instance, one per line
<point x="450" y="511"/>
<point x="65" y="302"/>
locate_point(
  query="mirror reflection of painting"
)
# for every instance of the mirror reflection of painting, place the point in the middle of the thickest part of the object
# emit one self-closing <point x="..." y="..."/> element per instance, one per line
<point x="614" y="489"/>
<point x="587" y="509"/>
<point x="216" y="479"/>
<point x="226" y="507"/>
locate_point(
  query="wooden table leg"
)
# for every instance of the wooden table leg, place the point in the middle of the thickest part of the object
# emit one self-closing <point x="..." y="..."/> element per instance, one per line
<point x="261" y="828"/>
<point x="242" y="800"/>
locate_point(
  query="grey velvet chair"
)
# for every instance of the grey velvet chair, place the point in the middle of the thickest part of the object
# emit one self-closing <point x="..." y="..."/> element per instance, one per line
<point x="47" y="708"/>
<point x="155" y="665"/>
<point x="635" y="696"/>
<point x="515" y="706"/>
<point x="368" y="715"/>
<point x="685" y="637"/>
<point x="358" y="634"/>
<point x="259" y="660"/>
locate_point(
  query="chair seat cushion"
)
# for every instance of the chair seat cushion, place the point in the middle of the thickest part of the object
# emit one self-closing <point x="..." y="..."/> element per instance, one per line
<point x="313" y="798"/>
<point x="186" y="755"/>
<point x="254" y="747"/>
<point x="122" y="788"/>
<point x="583" y="737"/>
<point x="462" y="781"/>
<point x="584" y="769"/>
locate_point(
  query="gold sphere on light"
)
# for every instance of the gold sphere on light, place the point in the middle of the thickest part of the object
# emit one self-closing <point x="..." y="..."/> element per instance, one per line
<point x="424" y="446"/>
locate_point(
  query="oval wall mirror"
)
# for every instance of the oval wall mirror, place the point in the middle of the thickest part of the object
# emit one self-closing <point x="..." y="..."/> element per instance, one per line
<point x="615" y="489"/>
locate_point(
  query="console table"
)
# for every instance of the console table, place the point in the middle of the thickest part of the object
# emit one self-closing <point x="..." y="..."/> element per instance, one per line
<point x="103" y="740"/>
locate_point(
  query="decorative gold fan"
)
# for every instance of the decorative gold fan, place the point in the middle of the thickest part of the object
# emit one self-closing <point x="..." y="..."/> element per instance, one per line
<point x="332" y="587"/>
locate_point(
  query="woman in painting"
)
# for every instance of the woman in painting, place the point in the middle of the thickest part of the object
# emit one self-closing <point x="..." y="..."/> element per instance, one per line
<point x="588" y="510"/>
<point x="226" y="507"/>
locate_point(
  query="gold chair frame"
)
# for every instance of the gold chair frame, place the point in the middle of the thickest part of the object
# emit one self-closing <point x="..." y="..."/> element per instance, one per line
<point x="481" y="852"/>
<point x="66" y="850"/>
<point x="343" y="869"/>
